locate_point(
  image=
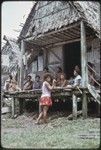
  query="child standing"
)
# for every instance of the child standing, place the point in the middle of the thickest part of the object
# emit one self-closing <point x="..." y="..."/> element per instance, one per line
<point x="45" y="101"/>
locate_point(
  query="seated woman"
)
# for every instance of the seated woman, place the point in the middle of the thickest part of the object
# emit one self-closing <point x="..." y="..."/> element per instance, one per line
<point x="59" y="71"/>
<point x="14" y="86"/>
<point x="7" y="83"/>
<point x="28" y="85"/>
<point x="11" y="84"/>
<point x="46" y="70"/>
<point x="60" y="81"/>
<point x="77" y="80"/>
<point x="77" y="68"/>
<point x="37" y="83"/>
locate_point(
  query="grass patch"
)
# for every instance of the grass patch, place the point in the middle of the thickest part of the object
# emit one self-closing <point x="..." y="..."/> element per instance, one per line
<point x="58" y="133"/>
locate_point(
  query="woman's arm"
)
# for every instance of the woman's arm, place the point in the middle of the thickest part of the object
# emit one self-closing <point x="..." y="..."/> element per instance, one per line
<point x="77" y="83"/>
<point x="65" y="83"/>
<point x="54" y="83"/>
<point x="28" y="86"/>
<point x="49" y="86"/>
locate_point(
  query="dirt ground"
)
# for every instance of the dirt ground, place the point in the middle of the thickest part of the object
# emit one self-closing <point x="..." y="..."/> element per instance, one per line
<point x="59" y="132"/>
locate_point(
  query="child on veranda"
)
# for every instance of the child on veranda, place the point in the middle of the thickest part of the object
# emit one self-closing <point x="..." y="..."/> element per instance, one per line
<point x="45" y="101"/>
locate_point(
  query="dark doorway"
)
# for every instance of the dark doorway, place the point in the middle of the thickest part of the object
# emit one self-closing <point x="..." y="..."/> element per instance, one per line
<point x="71" y="57"/>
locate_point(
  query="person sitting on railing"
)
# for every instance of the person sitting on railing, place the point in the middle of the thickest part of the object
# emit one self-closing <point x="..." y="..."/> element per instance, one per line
<point x="37" y="83"/>
<point x="14" y="86"/>
<point x="7" y="83"/>
<point x="28" y="85"/>
<point x="59" y="71"/>
<point x="11" y="84"/>
<point x="57" y="76"/>
<point x="62" y="82"/>
<point x="76" y="81"/>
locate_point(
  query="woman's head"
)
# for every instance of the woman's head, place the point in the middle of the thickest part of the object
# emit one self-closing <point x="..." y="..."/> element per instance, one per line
<point x="59" y="69"/>
<point x="46" y="69"/>
<point x="62" y="76"/>
<point x="37" y="77"/>
<point x="76" y="72"/>
<point x="47" y="77"/>
<point x="29" y="77"/>
<point x="77" y="69"/>
<point x="13" y="82"/>
<point x="10" y="77"/>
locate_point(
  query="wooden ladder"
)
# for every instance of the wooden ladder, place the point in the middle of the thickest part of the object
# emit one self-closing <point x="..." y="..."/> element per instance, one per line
<point x="94" y="93"/>
<point x="92" y="90"/>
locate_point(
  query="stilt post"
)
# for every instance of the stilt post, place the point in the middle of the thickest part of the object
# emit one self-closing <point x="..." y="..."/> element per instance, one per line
<point x="74" y="100"/>
<point x="84" y="68"/>
<point x="21" y="63"/>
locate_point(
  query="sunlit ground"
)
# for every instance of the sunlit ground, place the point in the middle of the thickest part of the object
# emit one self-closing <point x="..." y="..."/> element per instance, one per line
<point x="58" y="133"/>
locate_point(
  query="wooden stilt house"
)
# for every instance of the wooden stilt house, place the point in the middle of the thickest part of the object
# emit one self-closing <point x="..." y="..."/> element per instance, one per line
<point x="52" y="34"/>
<point x="61" y="33"/>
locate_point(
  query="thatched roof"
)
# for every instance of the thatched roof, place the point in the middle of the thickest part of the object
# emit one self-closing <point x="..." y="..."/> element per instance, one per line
<point x="27" y="23"/>
<point x="9" y="47"/>
<point x="47" y="16"/>
<point x="5" y="48"/>
<point x="90" y="11"/>
<point x="5" y="70"/>
<point x="12" y="43"/>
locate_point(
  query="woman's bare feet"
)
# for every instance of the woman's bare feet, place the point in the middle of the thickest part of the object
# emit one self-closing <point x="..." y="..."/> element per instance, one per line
<point x="37" y="122"/>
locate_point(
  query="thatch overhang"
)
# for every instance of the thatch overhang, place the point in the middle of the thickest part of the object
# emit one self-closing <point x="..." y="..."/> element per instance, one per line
<point x="90" y="12"/>
<point x="56" y="22"/>
<point x="64" y="35"/>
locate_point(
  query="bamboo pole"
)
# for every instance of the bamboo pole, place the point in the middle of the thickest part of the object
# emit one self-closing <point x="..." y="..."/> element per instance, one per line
<point x="84" y="68"/>
<point x="79" y="90"/>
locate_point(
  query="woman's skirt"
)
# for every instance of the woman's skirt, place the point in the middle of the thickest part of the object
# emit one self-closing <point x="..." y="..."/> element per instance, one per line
<point x="45" y="101"/>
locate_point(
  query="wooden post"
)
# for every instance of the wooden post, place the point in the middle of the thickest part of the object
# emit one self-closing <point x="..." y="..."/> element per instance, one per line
<point x="99" y="15"/>
<point x="74" y="100"/>
<point x="13" y="107"/>
<point x="21" y="106"/>
<point x="21" y="64"/>
<point x="98" y="107"/>
<point x="45" y="57"/>
<point x="84" y="68"/>
<point x="39" y="106"/>
<point x="84" y="105"/>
